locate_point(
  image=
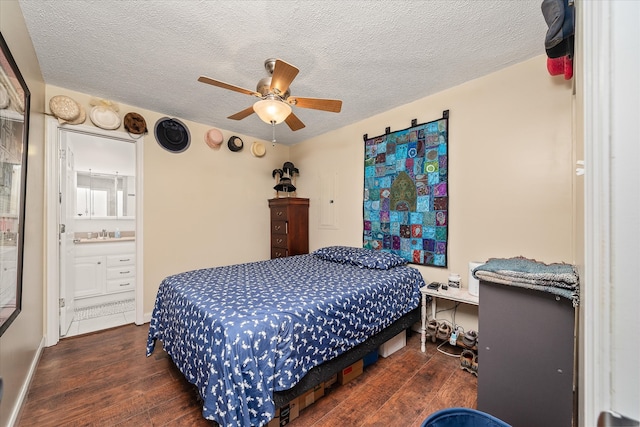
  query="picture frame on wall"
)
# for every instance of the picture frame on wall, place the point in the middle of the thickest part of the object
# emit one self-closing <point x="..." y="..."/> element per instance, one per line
<point x="14" y="140"/>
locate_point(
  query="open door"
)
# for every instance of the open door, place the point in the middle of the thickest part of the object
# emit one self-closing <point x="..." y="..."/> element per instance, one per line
<point x="67" y="199"/>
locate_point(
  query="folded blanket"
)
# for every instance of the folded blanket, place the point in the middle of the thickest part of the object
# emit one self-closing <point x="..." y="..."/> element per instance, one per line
<point x="559" y="278"/>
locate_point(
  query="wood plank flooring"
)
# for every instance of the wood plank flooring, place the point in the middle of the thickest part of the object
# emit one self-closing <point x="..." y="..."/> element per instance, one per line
<point x="105" y="379"/>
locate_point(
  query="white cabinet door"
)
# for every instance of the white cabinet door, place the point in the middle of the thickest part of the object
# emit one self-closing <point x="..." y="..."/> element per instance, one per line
<point x="90" y="276"/>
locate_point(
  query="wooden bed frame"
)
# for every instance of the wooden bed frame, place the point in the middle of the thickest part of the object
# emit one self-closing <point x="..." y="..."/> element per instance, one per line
<point x="325" y="371"/>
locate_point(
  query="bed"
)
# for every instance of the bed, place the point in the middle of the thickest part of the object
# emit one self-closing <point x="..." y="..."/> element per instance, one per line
<point x="248" y="335"/>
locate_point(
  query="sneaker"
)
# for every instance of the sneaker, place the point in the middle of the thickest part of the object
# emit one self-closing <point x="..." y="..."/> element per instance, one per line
<point x="432" y="328"/>
<point x="444" y="331"/>
<point x="466" y="360"/>
<point x="469" y="339"/>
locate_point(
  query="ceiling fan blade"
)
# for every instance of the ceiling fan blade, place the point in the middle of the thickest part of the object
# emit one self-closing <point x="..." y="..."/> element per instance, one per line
<point x="242" y="114"/>
<point x="223" y="85"/>
<point x="283" y="75"/>
<point x="332" y="105"/>
<point x="294" y="122"/>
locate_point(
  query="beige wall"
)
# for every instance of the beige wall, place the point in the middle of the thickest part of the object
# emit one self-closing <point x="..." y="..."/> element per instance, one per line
<point x="203" y="207"/>
<point x="510" y="169"/>
<point x="20" y="342"/>
<point x="510" y="172"/>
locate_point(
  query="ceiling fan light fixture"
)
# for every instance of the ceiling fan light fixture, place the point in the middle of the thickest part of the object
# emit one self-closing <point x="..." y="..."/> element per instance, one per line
<point x="272" y="111"/>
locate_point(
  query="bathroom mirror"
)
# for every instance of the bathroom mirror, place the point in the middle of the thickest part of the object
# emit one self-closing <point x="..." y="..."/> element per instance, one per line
<point x="14" y="137"/>
<point x="102" y="195"/>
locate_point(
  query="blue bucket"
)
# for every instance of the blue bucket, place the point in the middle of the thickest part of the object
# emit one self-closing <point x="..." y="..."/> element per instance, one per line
<point x="462" y="417"/>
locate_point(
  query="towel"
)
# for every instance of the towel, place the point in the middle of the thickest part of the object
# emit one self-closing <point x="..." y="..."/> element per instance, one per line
<point x="559" y="278"/>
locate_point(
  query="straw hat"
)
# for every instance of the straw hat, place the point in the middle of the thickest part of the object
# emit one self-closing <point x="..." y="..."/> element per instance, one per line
<point x="81" y="118"/>
<point x="105" y="118"/>
<point x="65" y="109"/>
<point x="213" y="138"/>
<point x="258" y="149"/>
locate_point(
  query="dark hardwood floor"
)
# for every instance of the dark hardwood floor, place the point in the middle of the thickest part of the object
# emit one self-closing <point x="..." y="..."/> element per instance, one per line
<point x="105" y="379"/>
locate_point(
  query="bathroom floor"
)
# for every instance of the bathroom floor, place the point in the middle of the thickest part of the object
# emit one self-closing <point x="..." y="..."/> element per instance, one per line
<point x="96" y="318"/>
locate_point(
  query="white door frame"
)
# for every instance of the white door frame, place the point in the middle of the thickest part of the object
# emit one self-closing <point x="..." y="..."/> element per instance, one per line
<point x="52" y="220"/>
<point x="610" y="65"/>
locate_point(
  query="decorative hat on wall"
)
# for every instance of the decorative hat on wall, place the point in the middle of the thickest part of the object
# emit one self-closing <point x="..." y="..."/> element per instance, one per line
<point x="213" y="138"/>
<point x="235" y="143"/>
<point x="172" y="135"/>
<point x="104" y="118"/>
<point x="135" y="124"/>
<point x="66" y="110"/>
<point x="81" y="118"/>
<point x="258" y="149"/>
<point x="104" y="114"/>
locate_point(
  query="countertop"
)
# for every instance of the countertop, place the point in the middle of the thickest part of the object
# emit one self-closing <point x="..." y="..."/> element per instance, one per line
<point x="105" y="239"/>
<point x="83" y="237"/>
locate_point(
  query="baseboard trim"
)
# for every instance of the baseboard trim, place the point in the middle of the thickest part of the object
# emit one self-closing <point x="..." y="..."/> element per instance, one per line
<point x="24" y="390"/>
<point x="146" y="318"/>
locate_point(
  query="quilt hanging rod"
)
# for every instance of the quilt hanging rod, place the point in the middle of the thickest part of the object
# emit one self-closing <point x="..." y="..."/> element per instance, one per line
<point x="414" y="123"/>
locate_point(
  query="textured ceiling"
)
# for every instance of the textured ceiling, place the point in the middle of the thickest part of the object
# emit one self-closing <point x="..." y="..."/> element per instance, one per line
<point x="373" y="55"/>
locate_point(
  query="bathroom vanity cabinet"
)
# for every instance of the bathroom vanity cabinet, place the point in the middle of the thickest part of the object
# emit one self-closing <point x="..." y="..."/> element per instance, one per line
<point x="104" y="270"/>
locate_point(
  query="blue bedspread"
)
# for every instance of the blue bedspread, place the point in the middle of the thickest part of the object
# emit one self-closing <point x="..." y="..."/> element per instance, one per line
<point x="240" y="332"/>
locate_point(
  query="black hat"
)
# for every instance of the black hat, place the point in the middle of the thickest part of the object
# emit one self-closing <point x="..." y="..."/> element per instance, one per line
<point x="285" y="188"/>
<point x="235" y="143"/>
<point x="172" y="135"/>
<point x="285" y="185"/>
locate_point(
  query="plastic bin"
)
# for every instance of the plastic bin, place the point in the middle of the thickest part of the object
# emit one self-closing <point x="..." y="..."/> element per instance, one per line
<point x="462" y="417"/>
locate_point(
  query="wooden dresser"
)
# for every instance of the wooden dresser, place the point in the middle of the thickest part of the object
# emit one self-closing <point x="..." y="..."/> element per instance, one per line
<point x="289" y="226"/>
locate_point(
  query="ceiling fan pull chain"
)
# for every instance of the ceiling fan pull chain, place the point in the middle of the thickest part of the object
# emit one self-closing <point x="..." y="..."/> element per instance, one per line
<point x="273" y="133"/>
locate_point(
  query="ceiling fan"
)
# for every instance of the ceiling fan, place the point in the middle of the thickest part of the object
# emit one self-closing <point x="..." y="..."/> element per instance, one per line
<point x="275" y="101"/>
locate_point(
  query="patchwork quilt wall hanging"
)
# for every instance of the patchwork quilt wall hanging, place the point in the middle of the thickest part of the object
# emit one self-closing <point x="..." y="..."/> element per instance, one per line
<point x="406" y="197"/>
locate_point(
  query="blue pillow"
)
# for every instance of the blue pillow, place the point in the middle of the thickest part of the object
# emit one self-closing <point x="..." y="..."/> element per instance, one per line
<point x="364" y="258"/>
<point x="341" y="254"/>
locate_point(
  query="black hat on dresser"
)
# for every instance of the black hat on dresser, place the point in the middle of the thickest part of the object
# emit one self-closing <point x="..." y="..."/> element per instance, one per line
<point x="172" y="135"/>
<point x="285" y="185"/>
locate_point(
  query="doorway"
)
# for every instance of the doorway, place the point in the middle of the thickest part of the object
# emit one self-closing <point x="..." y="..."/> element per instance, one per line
<point x="94" y="230"/>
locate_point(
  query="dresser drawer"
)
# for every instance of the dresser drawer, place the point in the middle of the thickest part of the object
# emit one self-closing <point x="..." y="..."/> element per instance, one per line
<point x="279" y="227"/>
<point x="118" y="260"/>
<point x="121" y="285"/>
<point x="279" y="241"/>
<point x="279" y="213"/>
<point x="122" y="271"/>
<point x="278" y="253"/>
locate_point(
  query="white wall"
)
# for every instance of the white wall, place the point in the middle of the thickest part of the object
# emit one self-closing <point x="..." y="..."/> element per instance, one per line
<point x="625" y="206"/>
<point x="510" y="170"/>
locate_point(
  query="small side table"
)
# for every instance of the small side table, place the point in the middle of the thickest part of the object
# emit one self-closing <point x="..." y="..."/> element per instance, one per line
<point x="453" y="294"/>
